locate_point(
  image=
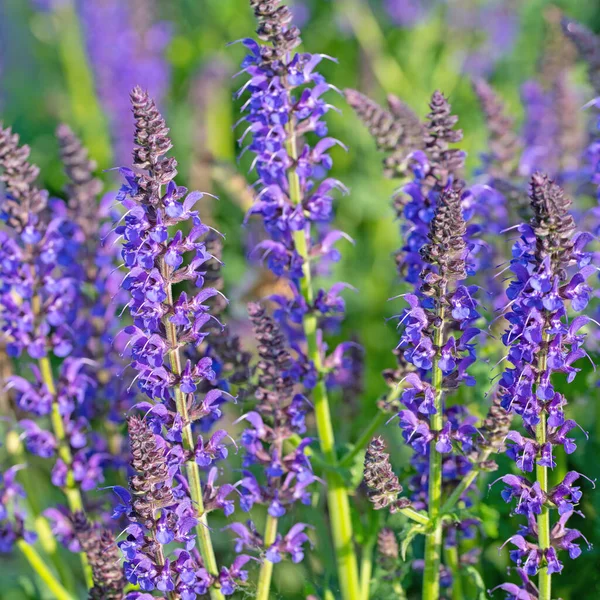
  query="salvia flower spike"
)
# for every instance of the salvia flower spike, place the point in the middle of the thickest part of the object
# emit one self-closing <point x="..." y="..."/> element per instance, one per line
<point x="434" y="167"/>
<point x="397" y="131"/>
<point x="438" y="342"/>
<point x="550" y="268"/>
<point x="103" y="555"/>
<point x="164" y="324"/>
<point x="287" y="475"/>
<point x="40" y="301"/>
<point x="382" y="483"/>
<point x="284" y="114"/>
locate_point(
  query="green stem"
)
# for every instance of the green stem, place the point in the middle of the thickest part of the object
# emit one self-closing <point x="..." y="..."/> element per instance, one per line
<point x="366" y="568"/>
<point x="454" y="565"/>
<point x="160" y="559"/>
<point x="46" y="538"/>
<point x="399" y="590"/>
<point x="266" y="570"/>
<point x="85" y="109"/>
<point x="433" y="538"/>
<point x="50" y="547"/>
<point x="543" y="520"/>
<point x="386" y="69"/>
<point x="464" y="484"/>
<point x="337" y="494"/>
<point x="192" y="470"/>
<point x="39" y="566"/>
<point x="70" y="490"/>
<point x="365" y="437"/>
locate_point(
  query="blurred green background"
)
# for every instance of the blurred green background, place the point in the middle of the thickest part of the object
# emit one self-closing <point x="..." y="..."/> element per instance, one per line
<point x="47" y="76"/>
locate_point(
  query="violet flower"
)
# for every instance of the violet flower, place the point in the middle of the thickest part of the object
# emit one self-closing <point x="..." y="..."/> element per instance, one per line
<point x="40" y="298"/>
<point x="540" y="130"/>
<point x="160" y="512"/>
<point x="285" y="88"/>
<point x="437" y="341"/>
<point x="288" y="139"/>
<point x="502" y="187"/>
<point x="98" y="325"/>
<point x="434" y="168"/>
<point x="286" y="477"/>
<point x="554" y="131"/>
<point x="163" y="325"/>
<point x="230" y="362"/>
<point x="12" y="513"/>
<point x="550" y="268"/>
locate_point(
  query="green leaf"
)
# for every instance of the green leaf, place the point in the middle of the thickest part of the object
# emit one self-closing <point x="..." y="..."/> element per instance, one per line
<point x="475" y="576"/>
<point x="451" y="518"/>
<point x="490" y="519"/>
<point x="413" y="532"/>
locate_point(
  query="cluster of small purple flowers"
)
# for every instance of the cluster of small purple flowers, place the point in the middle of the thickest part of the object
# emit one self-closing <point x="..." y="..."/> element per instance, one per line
<point x="12" y="512"/>
<point x="550" y="268"/>
<point x="279" y="415"/>
<point x="40" y="299"/>
<point x="553" y="133"/>
<point x="96" y="327"/>
<point x="162" y="508"/>
<point x="539" y="130"/>
<point x="285" y="104"/>
<point x="187" y="363"/>
<point x="434" y="168"/>
<point x="438" y="342"/>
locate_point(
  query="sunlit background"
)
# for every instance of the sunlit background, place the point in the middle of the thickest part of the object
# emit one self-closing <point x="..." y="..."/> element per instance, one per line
<point x="75" y="62"/>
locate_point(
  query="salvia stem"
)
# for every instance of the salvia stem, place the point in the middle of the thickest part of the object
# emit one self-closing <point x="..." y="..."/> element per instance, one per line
<point x="365" y="437"/>
<point x="266" y="570"/>
<point x="70" y="490"/>
<point x="160" y="560"/>
<point x="433" y="538"/>
<point x="366" y="567"/>
<point x="44" y="532"/>
<point x="541" y="472"/>
<point x="462" y="487"/>
<point x="337" y="494"/>
<point x="41" y="568"/>
<point x="192" y="470"/>
<point x="453" y="563"/>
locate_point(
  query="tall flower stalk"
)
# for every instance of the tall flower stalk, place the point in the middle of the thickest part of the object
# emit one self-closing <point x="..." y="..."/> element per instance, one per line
<point x="39" y="300"/>
<point x="163" y="325"/>
<point x="550" y="268"/>
<point x="285" y="108"/>
<point x="278" y="416"/>
<point x="437" y="341"/>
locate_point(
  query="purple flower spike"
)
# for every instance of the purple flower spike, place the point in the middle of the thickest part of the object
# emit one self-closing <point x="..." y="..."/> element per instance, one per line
<point x="167" y="456"/>
<point x="550" y="268"/>
<point x="286" y="478"/>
